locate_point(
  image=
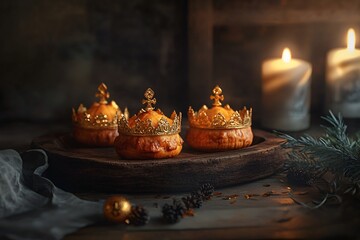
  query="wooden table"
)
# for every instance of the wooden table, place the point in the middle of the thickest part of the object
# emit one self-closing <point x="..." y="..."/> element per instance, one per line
<point x="271" y="214"/>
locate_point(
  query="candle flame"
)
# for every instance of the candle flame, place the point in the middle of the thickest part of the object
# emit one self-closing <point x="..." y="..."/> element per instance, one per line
<point x="351" y="39"/>
<point x="286" y="55"/>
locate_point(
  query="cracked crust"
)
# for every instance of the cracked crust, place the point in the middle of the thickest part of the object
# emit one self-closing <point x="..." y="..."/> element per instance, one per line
<point x="148" y="147"/>
<point x="219" y="140"/>
<point x="95" y="137"/>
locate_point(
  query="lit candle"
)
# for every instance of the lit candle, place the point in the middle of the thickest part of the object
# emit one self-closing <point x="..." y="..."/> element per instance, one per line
<point x="343" y="79"/>
<point x="286" y="93"/>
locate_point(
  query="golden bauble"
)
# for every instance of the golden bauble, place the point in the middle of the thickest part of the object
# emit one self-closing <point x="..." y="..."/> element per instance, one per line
<point x="116" y="209"/>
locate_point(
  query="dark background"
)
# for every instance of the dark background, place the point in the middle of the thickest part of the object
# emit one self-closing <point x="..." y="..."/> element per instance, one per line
<point x="54" y="53"/>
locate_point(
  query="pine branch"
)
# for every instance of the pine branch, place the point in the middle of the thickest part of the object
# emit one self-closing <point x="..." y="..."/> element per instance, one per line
<point x="334" y="152"/>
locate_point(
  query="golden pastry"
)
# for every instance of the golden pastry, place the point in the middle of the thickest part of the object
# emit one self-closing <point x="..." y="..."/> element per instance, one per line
<point x="219" y="128"/>
<point x="97" y="126"/>
<point x="149" y="134"/>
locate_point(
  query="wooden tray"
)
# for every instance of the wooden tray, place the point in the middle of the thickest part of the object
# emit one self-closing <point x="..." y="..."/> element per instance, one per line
<point x="78" y="168"/>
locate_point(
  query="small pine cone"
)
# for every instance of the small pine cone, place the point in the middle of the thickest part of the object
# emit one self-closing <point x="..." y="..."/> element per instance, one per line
<point x="298" y="177"/>
<point x="192" y="202"/>
<point x="197" y="195"/>
<point x="170" y="215"/>
<point x="207" y="191"/>
<point x="179" y="206"/>
<point x="138" y="216"/>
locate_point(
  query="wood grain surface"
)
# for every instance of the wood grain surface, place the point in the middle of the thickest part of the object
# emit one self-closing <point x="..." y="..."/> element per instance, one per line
<point x="80" y="168"/>
<point x="263" y="216"/>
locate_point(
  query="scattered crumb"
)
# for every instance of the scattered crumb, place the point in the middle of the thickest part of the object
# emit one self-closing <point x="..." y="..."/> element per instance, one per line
<point x="189" y="213"/>
<point x="270" y="193"/>
<point x="281" y="220"/>
<point x="229" y="197"/>
<point x="250" y="196"/>
<point x="217" y="194"/>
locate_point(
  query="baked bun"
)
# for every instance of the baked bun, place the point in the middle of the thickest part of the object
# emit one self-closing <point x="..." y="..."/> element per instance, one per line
<point x="219" y="140"/>
<point x="219" y="128"/>
<point x="149" y="134"/>
<point x="97" y="126"/>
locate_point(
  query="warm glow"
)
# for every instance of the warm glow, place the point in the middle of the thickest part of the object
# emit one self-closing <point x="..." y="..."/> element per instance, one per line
<point x="351" y="39"/>
<point x="126" y="207"/>
<point x="286" y="55"/>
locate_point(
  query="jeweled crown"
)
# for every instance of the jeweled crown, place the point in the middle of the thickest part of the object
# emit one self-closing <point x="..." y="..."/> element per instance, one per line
<point x="150" y="122"/>
<point x="101" y="114"/>
<point x="219" y="117"/>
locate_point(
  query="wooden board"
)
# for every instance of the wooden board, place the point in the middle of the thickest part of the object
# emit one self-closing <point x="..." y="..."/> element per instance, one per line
<point x="78" y="168"/>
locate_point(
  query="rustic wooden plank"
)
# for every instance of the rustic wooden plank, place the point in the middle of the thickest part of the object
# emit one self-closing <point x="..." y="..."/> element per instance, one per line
<point x="222" y="233"/>
<point x="100" y="169"/>
<point x="200" y="49"/>
<point x="280" y="196"/>
<point x="219" y="220"/>
<point x="285" y="12"/>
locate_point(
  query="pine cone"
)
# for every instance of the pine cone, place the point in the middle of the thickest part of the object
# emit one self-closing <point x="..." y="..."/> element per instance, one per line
<point x="170" y="215"/>
<point x="179" y="206"/>
<point x="299" y="177"/>
<point x="192" y="201"/>
<point x="138" y="216"/>
<point x="206" y="190"/>
<point x="197" y="195"/>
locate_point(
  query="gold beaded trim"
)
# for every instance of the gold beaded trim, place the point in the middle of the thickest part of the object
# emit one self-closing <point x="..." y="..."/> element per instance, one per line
<point x="239" y="119"/>
<point x="82" y="118"/>
<point x="146" y="128"/>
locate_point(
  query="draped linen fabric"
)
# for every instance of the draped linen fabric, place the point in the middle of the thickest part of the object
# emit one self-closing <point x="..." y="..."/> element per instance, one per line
<point x="32" y="207"/>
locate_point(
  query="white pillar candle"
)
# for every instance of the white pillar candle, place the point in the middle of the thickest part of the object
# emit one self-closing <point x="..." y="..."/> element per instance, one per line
<point x="343" y="79"/>
<point x="286" y="93"/>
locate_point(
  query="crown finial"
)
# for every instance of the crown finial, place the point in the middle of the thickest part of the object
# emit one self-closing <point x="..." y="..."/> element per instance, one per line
<point x="217" y="97"/>
<point x="102" y="93"/>
<point x="149" y="99"/>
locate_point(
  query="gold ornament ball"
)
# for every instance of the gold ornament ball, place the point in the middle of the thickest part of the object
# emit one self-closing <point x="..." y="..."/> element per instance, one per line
<point x="116" y="209"/>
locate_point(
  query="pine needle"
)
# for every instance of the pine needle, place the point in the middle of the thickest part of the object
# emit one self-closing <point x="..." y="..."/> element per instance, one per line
<point x="333" y="152"/>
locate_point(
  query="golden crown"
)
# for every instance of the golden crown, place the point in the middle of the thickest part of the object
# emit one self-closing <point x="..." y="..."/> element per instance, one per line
<point x="219" y="117"/>
<point x="150" y="122"/>
<point x="101" y="114"/>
